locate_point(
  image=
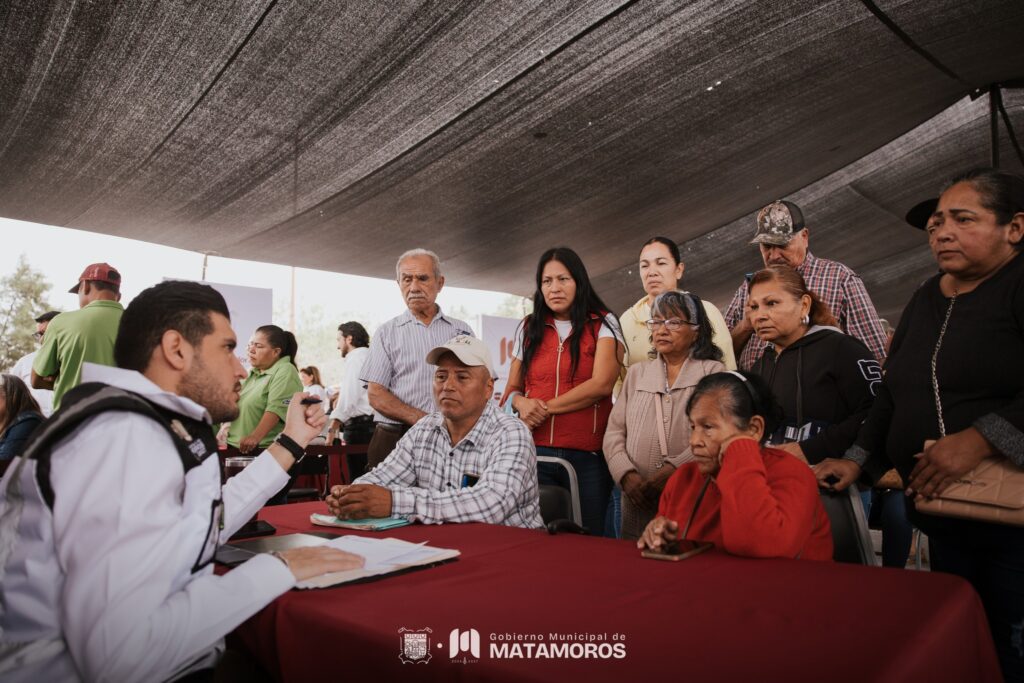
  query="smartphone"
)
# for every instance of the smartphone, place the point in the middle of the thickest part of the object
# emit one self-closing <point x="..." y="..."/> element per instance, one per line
<point x="681" y="551"/>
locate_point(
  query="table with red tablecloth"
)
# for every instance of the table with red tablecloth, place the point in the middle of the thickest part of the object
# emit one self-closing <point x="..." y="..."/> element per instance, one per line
<point x="710" y="617"/>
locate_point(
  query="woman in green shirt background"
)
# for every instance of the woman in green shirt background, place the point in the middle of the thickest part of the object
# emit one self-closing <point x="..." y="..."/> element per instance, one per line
<point x="272" y="380"/>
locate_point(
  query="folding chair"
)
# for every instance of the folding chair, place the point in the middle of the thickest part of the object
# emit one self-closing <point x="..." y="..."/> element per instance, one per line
<point x="317" y="463"/>
<point x="851" y="538"/>
<point x="557" y="503"/>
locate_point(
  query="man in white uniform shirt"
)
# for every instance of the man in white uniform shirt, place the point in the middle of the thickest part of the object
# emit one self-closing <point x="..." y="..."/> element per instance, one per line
<point x="352" y="414"/>
<point x="23" y="368"/>
<point x="107" y="538"/>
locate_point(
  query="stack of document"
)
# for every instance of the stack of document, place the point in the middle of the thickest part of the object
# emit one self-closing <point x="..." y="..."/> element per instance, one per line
<point x="382" y="556"/>
<point x="367" y="524"/>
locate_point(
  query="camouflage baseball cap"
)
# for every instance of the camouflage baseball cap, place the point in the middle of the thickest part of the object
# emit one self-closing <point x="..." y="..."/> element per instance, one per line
<point x="777" y="223"/>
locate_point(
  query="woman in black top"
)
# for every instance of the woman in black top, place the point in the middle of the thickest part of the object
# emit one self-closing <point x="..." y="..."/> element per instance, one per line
<point x="824" y="379"/>
<point x="976" y="236"/>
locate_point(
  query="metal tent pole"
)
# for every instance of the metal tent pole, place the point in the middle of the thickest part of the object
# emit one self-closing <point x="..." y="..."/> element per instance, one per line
<point x="994" y="103"/>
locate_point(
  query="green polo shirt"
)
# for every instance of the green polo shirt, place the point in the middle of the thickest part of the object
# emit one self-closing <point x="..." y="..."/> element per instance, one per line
<point x="83" y="336"/>
<point x="265" y="391"/>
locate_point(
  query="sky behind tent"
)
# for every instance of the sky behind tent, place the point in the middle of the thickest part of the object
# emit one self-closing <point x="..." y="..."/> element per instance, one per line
<point x="61" y="254"/>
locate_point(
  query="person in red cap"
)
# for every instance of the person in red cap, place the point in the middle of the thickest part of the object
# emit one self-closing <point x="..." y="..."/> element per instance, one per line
<point x="83" y="336"/>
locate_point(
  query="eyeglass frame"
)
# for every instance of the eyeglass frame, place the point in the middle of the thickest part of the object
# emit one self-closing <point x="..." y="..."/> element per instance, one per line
<point x="652" y="324"/>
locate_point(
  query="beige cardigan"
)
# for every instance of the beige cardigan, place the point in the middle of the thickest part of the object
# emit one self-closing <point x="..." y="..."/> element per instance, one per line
<point x="631" y="441"/>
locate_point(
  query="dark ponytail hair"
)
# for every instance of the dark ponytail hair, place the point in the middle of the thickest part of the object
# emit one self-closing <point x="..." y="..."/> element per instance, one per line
<point x="673" y="248"/>
<point x="281" y="339"/>
<point x="584" y="304"/>
<point x="741" y="396"/>
<point x="793" y="283"/>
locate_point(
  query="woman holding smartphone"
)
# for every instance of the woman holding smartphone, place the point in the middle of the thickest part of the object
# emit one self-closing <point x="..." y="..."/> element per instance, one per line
<point x="746" y="498"/>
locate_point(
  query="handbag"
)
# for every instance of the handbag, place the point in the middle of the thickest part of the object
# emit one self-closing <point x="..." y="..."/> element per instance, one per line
<point x="991" y="492"/>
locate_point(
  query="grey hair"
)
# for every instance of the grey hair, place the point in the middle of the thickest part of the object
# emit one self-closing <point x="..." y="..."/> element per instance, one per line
<point x="679" y="301"/>
<point x="412" y="253"/>
<point x="674" y="300"/>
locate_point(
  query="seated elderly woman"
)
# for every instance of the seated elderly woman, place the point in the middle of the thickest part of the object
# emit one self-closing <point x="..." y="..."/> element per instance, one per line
<point x="738" y="494"/>
<point x="955" y="373"/>
<point x="19" y="416"/>
<point x="648" y="433"/>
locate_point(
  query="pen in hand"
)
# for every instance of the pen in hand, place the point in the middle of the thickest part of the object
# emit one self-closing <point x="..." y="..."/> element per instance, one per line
<point x="309" y="401"/>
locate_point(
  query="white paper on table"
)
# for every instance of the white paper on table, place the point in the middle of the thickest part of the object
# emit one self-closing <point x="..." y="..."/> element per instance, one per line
<point x="381" y="555"/>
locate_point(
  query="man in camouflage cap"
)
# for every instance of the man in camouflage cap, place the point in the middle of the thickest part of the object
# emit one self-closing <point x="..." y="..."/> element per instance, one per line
<point x="782" y="237"/>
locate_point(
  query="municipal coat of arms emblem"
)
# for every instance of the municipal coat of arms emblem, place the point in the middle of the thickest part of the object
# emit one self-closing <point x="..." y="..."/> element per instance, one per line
<point x="414" y="645"/>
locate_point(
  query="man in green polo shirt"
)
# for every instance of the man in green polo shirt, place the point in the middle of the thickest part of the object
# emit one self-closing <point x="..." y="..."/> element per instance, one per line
<point x="83" y="336"/>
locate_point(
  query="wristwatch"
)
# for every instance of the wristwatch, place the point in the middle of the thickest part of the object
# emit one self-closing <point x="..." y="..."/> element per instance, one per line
<point x="289" y="444"/>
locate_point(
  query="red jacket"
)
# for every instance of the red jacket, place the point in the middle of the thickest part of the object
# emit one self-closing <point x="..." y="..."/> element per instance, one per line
<point x="548" y="377"/>
<point x="762" y="503"/>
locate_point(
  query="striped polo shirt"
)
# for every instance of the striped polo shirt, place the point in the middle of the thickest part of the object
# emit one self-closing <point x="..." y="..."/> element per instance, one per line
<point x="398" y="358"/>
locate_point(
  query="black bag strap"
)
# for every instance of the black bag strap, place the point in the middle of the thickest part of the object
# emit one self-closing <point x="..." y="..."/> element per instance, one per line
<point x="193" y="439"/>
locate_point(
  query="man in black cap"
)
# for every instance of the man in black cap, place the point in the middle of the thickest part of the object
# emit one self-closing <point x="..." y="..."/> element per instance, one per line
<point x="23" y="368"/>
<point x="783" y="240"/>
<point x="83" y="336"/>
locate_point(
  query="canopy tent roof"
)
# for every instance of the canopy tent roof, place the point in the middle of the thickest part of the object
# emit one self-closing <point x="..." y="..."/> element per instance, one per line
<point x="334" y="135"/>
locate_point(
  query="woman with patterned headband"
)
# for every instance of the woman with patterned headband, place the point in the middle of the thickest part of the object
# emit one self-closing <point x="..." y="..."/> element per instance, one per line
<point x="648" y="432"/>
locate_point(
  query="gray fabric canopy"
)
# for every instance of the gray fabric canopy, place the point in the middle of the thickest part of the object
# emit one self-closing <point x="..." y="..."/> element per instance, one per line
<point x="335" y="135"/>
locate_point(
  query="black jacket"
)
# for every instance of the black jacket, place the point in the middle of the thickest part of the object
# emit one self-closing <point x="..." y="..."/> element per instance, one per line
<point x="980" y="371"/>
<point x="825" y="382"/>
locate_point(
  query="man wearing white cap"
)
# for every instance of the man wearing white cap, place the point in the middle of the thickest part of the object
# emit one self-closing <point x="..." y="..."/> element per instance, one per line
<point x="467" y="462"/>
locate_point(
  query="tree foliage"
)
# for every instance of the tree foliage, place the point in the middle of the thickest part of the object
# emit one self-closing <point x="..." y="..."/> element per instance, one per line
<point x="22" y="299"/>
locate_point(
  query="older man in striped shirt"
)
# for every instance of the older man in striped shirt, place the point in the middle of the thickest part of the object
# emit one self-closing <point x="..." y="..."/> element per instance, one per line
<point x="468" y="462"/>
<point x="398" y="380"/>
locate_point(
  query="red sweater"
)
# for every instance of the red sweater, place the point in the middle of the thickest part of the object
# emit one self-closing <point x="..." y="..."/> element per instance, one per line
<point x="763" y="503"/>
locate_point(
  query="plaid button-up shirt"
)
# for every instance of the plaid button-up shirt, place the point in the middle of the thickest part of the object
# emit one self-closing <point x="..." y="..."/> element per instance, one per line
<point x="840" y="289"/>
<point x="490" y="476"/>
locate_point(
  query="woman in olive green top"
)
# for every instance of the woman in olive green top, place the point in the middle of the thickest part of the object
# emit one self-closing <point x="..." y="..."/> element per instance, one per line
<point x="272" y="380"/>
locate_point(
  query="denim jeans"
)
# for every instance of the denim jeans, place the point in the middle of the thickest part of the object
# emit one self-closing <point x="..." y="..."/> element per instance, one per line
<point x="613" y="517"/>
<point x="889" y="511"/>
<point x="996" y="570"/>
<point x="595" y="482"/>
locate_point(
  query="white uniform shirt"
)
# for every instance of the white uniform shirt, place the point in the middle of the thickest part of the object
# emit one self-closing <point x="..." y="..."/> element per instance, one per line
<point x="23" y="369"/>
<point x="353" y="399"/>
<point x="102" y="588"/>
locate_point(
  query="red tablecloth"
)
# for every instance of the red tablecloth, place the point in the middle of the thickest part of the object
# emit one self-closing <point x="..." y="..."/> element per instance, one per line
<point x="711" y="617"/>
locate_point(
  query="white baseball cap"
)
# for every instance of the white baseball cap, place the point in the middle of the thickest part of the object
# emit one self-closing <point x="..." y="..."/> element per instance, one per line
<point x="470" y="350"/>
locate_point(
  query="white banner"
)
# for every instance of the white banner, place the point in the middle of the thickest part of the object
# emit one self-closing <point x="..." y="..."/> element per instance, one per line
<point x="250" y="307"/>
<point x="499" y="335"/>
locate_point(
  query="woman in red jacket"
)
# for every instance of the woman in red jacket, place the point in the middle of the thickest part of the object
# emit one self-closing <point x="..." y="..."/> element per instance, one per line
<point x="565" y="361"/>
<point x="748" y="499"/>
